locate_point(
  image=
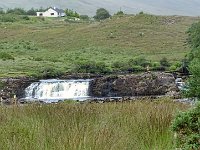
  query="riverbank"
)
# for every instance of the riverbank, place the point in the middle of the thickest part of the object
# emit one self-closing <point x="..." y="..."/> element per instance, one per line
<point x="129" y="85"/>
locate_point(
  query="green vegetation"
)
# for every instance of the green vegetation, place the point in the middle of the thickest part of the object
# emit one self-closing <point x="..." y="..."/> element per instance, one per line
<point x="71" y="13"/>
<point x="102" y="14"/>
<point x="187" y="125"/>
<point x="187" y="129"/>
<point x="194" y="58"/>
<point x="21" y="11"/>
<point x="135" y="125"/>
<point x="37" y="43"/>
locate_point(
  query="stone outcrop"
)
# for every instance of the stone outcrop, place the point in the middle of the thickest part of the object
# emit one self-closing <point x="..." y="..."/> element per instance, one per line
<point x="11" y="87"/>
<point x="146" y="84"/>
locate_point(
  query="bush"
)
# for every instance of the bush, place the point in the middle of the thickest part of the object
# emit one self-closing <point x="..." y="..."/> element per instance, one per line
<point x="139" y="61"/>
<point x="120" y="66"/>
<point x="25" y="18"/>
<point x="84" y="17"/>
<point x="91" y="67"/>
<point x="7" y="18"/>
<point x="6" y="56"/>
<point x="194" y="80"/>
<point x="71" y="13"/>
<point x="187" y="128"/>
<point x="129" y="66"/>
<point x="49" y="72"/>
<point x="164" y="62"/>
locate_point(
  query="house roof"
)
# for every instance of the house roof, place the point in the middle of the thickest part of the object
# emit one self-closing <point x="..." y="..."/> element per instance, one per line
<point x="59" y="10"/>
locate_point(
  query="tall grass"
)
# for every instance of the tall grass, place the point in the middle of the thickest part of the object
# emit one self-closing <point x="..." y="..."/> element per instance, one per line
<point x="116" y="126"/>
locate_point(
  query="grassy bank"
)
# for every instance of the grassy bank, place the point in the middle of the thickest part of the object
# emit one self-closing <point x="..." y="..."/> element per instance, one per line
<point x="38" y="44"/>
<point x="134" y="126"/>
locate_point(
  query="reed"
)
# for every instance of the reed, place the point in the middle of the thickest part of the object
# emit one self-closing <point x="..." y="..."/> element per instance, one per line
<point x="141" y="125"/>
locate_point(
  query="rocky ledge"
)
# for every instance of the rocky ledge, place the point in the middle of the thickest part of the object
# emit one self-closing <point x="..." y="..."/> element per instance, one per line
<point x="146" y="84"/>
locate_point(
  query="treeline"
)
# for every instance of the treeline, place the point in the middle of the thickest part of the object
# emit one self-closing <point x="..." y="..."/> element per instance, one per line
<point x="21" y="11"/>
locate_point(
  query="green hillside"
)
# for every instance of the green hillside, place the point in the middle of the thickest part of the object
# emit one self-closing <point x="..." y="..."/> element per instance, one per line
<point x="37" y="44"/>
<point x="89" y="7"/>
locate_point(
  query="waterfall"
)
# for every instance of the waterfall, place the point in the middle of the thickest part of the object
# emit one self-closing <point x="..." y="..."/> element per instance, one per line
<point x="55" y="90"/>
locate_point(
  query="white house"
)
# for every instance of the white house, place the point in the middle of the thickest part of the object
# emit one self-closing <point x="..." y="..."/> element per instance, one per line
<point x="52" y="12"/>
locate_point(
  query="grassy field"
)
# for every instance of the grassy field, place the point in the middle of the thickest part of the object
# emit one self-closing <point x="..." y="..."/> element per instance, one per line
<point x="37" y="44"/>
<point x="115" y="126"/>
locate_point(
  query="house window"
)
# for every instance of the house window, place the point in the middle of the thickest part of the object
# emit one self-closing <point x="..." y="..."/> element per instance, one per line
<point x="52" y="14"/>
<point x="41" y="14"/>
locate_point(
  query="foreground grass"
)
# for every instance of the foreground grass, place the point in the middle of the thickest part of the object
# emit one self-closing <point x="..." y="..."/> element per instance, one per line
<point x="116" y="126"/>
<point x="37" y="44"/>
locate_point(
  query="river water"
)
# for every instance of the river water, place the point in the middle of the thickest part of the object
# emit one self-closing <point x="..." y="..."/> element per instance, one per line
<point x="55" y="90"/>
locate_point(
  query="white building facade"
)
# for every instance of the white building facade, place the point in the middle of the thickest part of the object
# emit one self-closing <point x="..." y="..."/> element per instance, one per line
<point x="52" y="12"/>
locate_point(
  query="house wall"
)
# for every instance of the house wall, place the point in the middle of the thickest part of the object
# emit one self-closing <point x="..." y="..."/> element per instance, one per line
<point x="40" y="13"/>
<point x="50" y="13"/>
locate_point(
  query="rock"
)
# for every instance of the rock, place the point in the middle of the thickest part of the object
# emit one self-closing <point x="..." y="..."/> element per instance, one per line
<point x="145" y="84"/>
<point x="14" y="87"/>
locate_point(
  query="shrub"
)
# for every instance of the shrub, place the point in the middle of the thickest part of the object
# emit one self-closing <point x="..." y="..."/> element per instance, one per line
<point x="141" y="13"/>
<point x="120" y="66"/>
<point x="49" y="72"/>
<point x="71" y="13"/>
<point x="164" y="62"/>
<point x="139" y="61"/>
<point x="25" y="18"/>
<point x="194" y="80"/>
<point x="84" y="17"/>
<point x="91" y="67"/>
<point x="7" y="18"/>
<point x="6" y="56"/>
<point x="187" y="128"/>
<point x="130" y="66"/>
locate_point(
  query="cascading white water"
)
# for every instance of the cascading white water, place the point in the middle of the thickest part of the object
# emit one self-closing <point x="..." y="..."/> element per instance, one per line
<point x="54" y="90"/>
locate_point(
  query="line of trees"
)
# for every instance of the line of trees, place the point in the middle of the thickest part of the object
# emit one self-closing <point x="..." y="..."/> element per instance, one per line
<point x="21" y="11"/>
<point x="101" y="13"/>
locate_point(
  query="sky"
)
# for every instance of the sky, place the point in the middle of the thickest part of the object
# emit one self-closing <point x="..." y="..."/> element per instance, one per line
<point x="89" y="7"/>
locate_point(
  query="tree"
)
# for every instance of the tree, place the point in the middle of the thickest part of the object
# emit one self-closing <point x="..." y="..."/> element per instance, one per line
<point x="101" y="14"/>
<point x="194" y="58"/>
<point x="194" y="80"/>
<point x="2" y="11"/>
<point x="16" y="11"/>
<point x="84" y="17"/>
<point x="31" y="12"/>
<point x="120" y="13"/>
<point x="71" y="13"/>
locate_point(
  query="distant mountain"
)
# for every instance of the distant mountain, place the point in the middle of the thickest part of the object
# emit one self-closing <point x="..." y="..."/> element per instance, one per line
<point x="159" y="7"/>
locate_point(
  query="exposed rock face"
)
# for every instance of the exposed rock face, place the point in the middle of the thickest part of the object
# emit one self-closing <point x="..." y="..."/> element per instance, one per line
<point x="145" y="84"/>
<point x="10" y="87"/>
